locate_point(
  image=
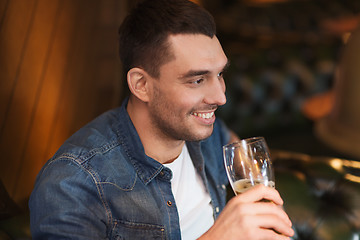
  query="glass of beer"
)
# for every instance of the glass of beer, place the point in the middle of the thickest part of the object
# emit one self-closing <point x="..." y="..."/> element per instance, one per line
<point x="248" y="163"/>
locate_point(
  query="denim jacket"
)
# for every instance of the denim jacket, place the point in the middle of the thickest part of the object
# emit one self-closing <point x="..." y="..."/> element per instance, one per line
<point x="101" y="185"/>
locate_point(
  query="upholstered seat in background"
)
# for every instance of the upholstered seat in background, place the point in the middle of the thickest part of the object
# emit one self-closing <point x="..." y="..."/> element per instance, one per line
<point x="321" y="195"/>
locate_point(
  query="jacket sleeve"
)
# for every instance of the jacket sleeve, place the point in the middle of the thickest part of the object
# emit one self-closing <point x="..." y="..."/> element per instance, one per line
<point x="66" y="203"/>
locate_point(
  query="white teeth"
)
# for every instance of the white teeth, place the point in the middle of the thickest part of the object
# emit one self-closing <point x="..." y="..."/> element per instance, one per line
<point x="204" y="115"/>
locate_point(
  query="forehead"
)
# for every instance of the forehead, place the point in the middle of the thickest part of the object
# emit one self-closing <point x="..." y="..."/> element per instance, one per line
<point x="196" y="51"/>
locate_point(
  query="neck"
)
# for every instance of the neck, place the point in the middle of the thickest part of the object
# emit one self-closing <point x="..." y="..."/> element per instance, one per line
<point x="157" y="145"/>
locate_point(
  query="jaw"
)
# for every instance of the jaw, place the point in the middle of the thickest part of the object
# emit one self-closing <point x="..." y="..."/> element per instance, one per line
<point x="201" y="125"/>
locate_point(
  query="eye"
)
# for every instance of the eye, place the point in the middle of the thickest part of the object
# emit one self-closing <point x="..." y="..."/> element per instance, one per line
<point x="220" y="75"/>
<point x="198" y="81"/>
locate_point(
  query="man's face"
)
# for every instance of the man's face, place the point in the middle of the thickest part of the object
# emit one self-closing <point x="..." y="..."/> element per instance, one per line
<point x="189" y="89"/>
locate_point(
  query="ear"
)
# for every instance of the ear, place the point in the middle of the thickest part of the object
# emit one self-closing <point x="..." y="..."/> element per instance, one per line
<point x="138" y="84"/>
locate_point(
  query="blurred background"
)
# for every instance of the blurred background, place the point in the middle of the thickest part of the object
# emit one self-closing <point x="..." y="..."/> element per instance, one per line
<point x="284" y="55"/>
<point x="59" y="68"/>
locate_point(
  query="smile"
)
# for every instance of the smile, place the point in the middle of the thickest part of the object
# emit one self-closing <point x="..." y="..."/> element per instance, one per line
<point x="204" y="115"/>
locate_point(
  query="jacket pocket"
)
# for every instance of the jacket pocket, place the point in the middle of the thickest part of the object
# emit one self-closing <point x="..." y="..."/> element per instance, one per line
<point x="124" y="230"/>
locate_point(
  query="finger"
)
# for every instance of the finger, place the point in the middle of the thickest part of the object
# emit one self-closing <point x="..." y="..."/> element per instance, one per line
<point x="262" y="208"/>
<point x="260" y="192"/>
<point x="266" y="227"/>
<point x="256" y="209"/>
<point x="265" y="210"/>
<point x="270" y="234"/>
<point x="275" y="224"/>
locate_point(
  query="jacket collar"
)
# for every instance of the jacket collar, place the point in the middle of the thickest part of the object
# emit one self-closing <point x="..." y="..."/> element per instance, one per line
<point x="146" y="168"/>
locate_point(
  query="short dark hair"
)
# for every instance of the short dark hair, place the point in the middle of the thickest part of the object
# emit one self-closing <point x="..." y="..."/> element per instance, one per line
<point x="145" y="31"/>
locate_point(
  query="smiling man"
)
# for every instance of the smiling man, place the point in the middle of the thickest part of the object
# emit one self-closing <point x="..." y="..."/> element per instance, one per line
<point x="180" y="104"/>
<point x="153" y="168"/>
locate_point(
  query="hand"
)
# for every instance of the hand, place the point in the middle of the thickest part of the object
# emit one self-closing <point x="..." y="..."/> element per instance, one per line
<point x="245" y="217"/>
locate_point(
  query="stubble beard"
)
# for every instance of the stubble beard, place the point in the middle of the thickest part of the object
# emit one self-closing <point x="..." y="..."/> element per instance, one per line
<point x="176" y="125"/>
<point x="168" y="127"/>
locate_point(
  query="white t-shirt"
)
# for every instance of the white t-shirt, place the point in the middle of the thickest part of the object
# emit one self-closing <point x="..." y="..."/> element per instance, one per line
<point x="192" y="200"/>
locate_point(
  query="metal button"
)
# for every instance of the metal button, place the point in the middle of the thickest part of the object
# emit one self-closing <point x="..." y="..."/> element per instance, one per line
<point x="169" y="203"/>
<point x="217" y="209"/>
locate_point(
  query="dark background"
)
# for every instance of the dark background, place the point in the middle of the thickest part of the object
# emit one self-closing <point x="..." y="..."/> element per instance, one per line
<point x="59" y="69"/>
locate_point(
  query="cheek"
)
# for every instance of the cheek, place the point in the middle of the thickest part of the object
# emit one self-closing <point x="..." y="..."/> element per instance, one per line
<point x="192" y="97"/>
<point x="178" y="100"/>
<point x="187" y="104"/>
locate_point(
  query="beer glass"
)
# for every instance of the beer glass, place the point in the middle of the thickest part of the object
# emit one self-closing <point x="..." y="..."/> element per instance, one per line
<point x="248" y="163"/>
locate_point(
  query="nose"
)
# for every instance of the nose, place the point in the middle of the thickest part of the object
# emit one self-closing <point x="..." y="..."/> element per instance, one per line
<point x="216" y="92"/>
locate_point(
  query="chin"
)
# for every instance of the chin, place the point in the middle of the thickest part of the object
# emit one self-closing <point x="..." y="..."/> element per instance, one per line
<point x="203" y="135"/>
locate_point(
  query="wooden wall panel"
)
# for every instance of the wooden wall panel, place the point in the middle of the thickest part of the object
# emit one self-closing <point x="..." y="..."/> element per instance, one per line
<point x="58" y="70"/>
<point x="24" y="99"/>
<point x="13" y="41"/>
<point x="3" y="7"/>
<point x="49" y="92"/>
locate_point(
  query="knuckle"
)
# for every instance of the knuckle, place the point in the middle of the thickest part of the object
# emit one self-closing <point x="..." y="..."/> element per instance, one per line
<point x="241" y="208"/>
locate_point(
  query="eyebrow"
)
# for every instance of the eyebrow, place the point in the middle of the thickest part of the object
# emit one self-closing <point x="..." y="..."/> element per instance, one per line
<point x="193" y="73"/>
